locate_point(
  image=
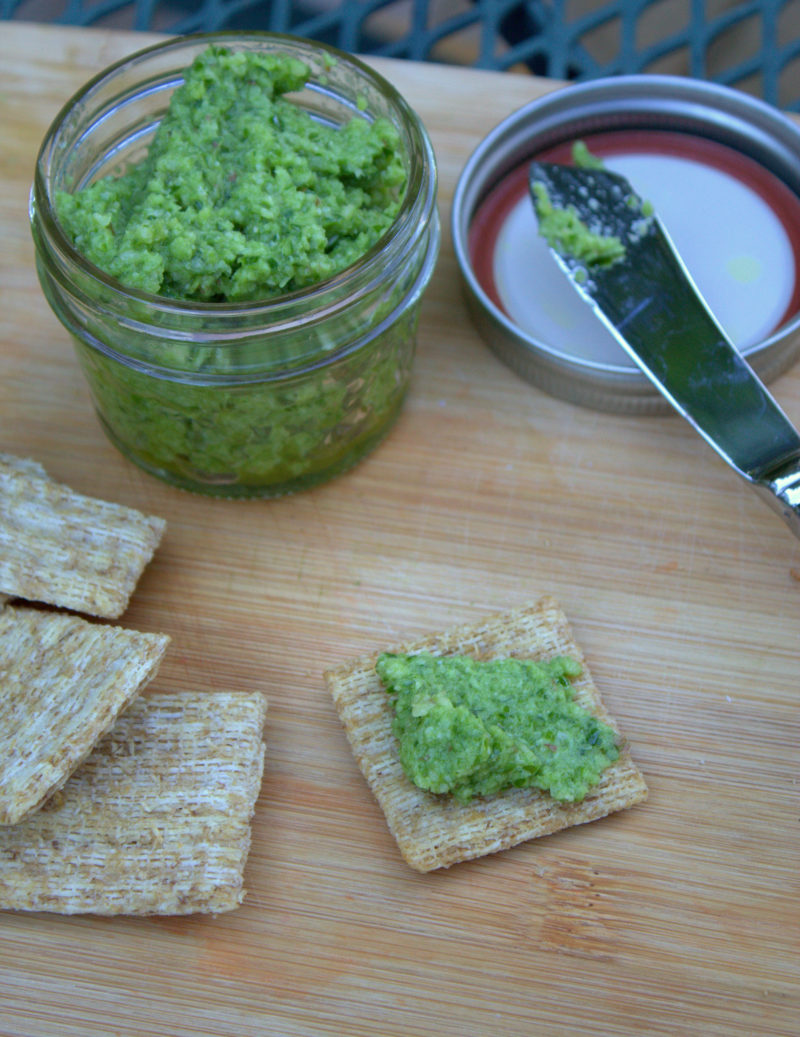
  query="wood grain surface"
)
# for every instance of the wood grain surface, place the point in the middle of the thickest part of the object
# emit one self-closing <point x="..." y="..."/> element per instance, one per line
<point x="681" y="916"/>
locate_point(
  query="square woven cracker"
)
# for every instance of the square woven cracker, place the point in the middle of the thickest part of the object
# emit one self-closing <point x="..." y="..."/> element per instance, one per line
<point x="155" y="821"/>
<point x="436" y="831"/>
<point x="63" y="681"/>
<point x="65" y="549"/>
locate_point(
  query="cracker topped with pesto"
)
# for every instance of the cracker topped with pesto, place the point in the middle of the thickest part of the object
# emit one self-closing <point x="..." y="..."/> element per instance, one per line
<point x="435" y="830"/>
<point x="243" y="195"/>
<point x="476" y="727"/>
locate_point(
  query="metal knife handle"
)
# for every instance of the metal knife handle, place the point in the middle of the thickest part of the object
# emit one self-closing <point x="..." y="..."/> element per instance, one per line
<point x="781" y="491"/>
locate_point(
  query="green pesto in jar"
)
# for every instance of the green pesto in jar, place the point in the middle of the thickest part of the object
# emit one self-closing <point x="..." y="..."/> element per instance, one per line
<point x="474" y="728"/>
<point x="242" y="194"/>
<point x="262" y="439"/>
<point x="278" y="374"/>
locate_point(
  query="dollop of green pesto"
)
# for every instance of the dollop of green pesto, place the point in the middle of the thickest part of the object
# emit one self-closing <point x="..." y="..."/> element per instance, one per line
<point x="242" y="194"/>
<point x="584" y="158"/>
<point x="474" y="728"/>
<point x="566" y="233"/>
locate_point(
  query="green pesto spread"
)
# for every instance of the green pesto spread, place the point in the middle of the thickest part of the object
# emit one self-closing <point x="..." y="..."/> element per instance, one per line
<point x="584" y="158"/>
<point x="242" y="194"/>
<point x="474" y="728"/>
<point x="565" y="232"/>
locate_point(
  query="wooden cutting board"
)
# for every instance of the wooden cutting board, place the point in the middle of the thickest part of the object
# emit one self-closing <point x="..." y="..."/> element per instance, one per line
<point x="679" y="917"/>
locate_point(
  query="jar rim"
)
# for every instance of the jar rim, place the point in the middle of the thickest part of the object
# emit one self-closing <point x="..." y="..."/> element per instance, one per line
<point x="413" y="215"/>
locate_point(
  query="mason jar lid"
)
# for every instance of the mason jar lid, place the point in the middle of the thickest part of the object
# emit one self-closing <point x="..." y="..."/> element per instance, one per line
<point x="721" y="169"/>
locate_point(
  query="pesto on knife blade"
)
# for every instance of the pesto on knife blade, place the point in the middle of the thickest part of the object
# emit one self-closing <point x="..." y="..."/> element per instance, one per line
<point x="474" y="728"/>
<point x="567" y="234"/>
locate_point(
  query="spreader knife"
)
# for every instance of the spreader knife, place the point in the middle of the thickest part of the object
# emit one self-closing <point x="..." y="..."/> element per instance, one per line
<point x="626" y="267"/>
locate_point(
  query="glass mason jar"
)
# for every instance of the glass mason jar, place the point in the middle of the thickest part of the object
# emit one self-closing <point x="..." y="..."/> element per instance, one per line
<point x="250" y="399"/>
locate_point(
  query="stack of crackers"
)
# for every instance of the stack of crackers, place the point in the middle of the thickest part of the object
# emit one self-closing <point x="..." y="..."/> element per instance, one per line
<point x="110" y="802"/>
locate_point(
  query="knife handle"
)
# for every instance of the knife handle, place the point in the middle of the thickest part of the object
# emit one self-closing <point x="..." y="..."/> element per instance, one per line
<point x="780" y="489"/>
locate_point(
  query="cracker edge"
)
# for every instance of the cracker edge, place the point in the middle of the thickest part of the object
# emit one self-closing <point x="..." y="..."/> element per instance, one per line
<point x="150" y="654"/>
<point x="215" y="901"/>
<point x="143" y="533"/>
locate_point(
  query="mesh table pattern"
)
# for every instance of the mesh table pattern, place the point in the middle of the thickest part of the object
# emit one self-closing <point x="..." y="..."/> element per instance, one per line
<point x="750" y="44"/>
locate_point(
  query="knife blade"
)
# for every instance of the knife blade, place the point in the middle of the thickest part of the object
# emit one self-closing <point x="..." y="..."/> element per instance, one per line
<point x="621" y="260"/>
